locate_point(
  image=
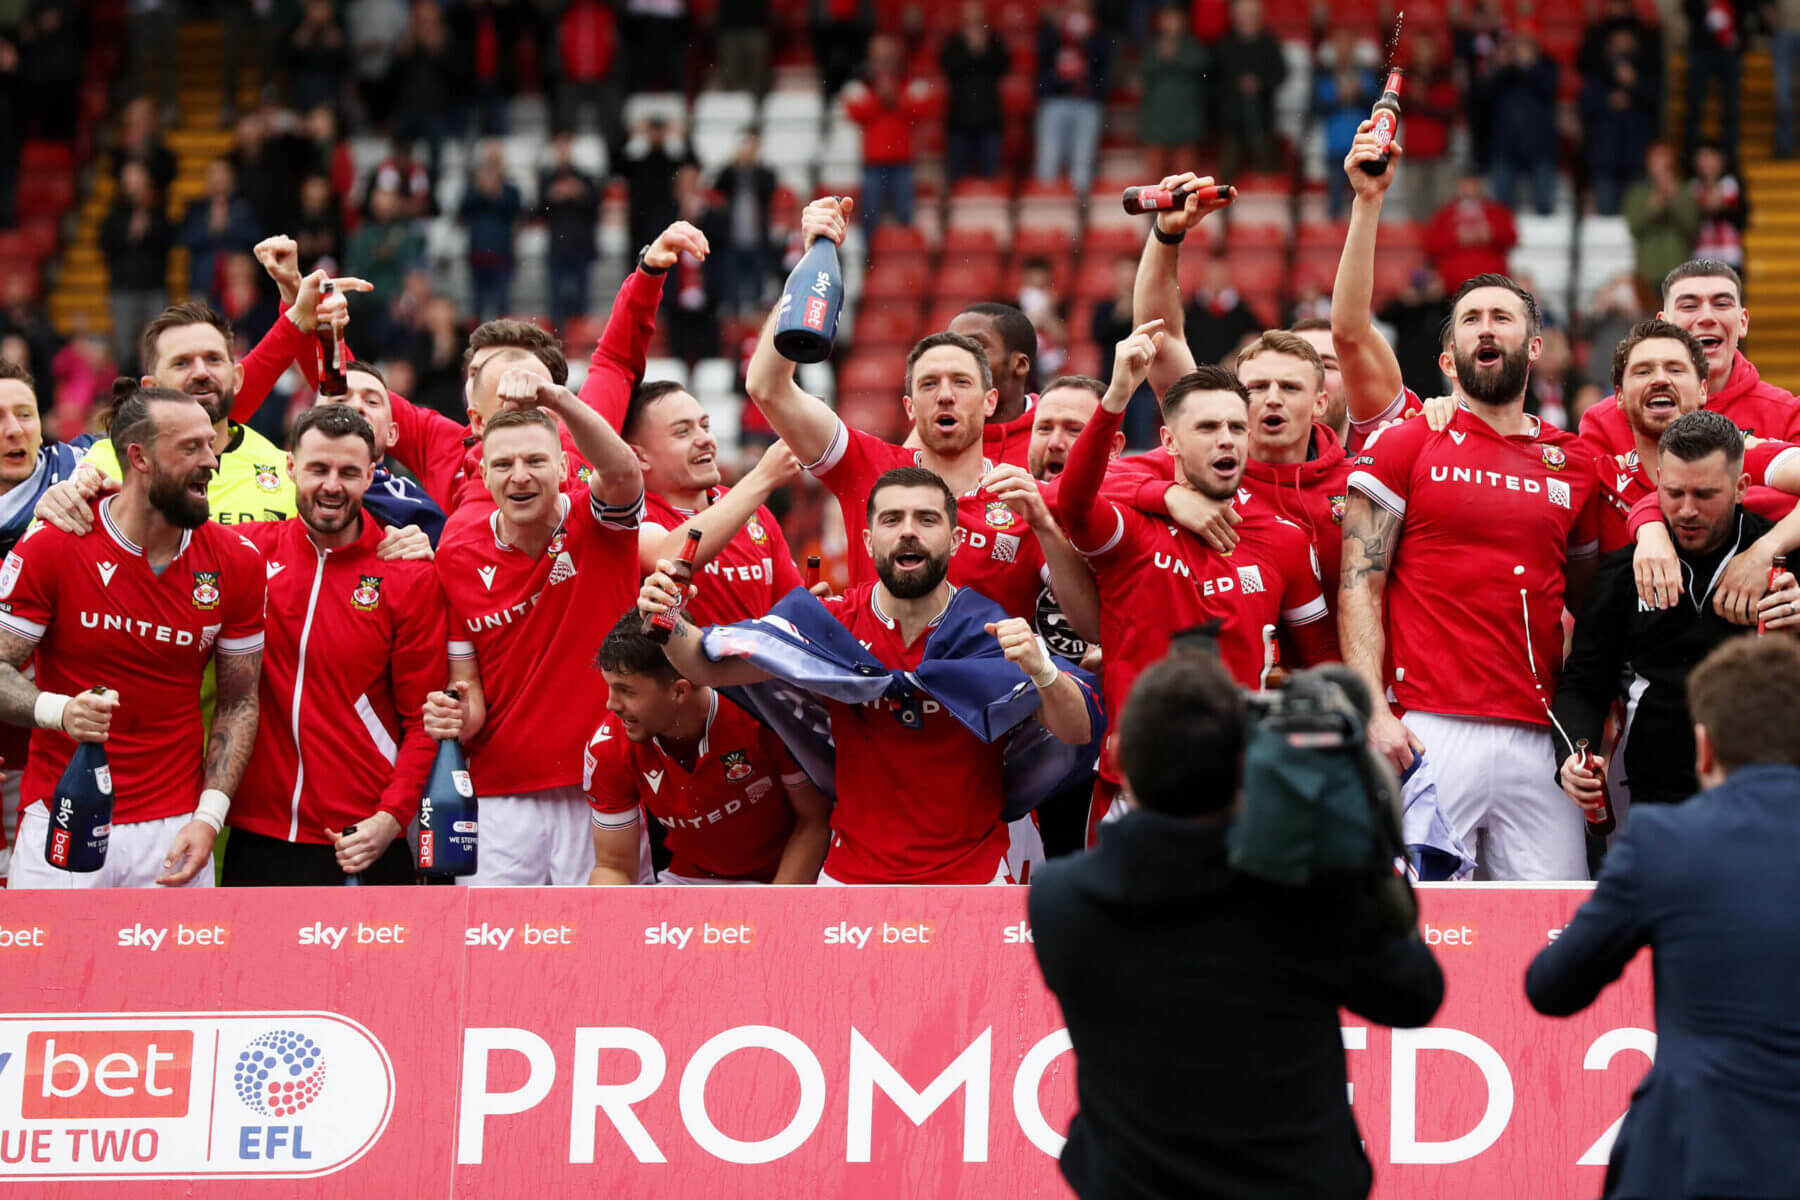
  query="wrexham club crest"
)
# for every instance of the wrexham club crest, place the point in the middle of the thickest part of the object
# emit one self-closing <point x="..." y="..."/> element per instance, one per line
<point x="1339" y="506"/>
<point x="206" y="589"/>
<point x="737" y="765"/>
<point x="367" y="596"/>
<point x="1554" y="458"/>
<point x="754" y="527"/>
<point x="268" y="478"/>
<point x="998" y="515"/>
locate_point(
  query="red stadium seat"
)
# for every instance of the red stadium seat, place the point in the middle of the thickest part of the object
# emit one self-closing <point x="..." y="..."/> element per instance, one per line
<point x="46" y="192"/>
<point x="887" y="324"/>
<point x="1110" y="240"/>
<point x="877" y="371"/>
<point x="966" y="284"/>
<point x="897" y="239"/>
<point x="1018" y="95"/>
<point x="1084" y="359"/>
<point x="876" y="412"/>
<point x="1328" y="235"/>
<point x="1256" y="237"/>
<point x="1255" y="272"/>
<point x="1032" y="239"/>
<point x="993" y="189"/>
<point x="899" y="276"/>
<point x="40" y="235"/>
<point x="581" y="335"/>
<point x="965" y="241"/>
<point x="941" y="314"/>
<point x="1095" y="282"/>
<point x="47" y="156"/>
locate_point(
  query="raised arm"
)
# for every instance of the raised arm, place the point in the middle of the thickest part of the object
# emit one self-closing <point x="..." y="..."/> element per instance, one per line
<point x="619" y="356"/>
<point x="1065" y="711"/>
<point x="1371" y="533"/>
<point x="618" y="479"/>
<point x="806" y="423"/>
<point x="1157" y="293"/>
<point x="720" y="521"/>
<point x="1090" y="519"/>
<point x="1371" y="371"/>
<point x="1071" y="581"/>
<point x="683" y="647"/>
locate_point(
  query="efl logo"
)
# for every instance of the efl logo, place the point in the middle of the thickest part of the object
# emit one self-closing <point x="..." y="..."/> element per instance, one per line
<point x="815" y="314"/>
<point x="107" y="1074"/>
<point x="279" y="1073"/>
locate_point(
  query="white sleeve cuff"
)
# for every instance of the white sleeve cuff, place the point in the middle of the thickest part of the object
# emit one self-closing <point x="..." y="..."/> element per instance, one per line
<point x="835" y="450"/>
<point x="251" y="644"/>
<point x="1118" y="535"/>
<point x="1366" y="483"/>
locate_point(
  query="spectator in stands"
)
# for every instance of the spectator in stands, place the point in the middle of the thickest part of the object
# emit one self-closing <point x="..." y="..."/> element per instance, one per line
<point x="1615" y="309"/>
<point x="1664" y="218"/>
<point x="248" y="304"/>
<point x="24" y="317"/>
<point x="1343" y="90"/>
<point x="570" y="204"/>
<point x="1477" y="34"/>
<point x="657" y="36"/>
<point x="435" y="351"/>
<point x="1071" y="89"/>
<point x="1622" y="33"/>
<point x="1550" y="390"/>
<point x="1471" y="235"/>
<point x="1418" y="315"/>
<point x="746" y="259"/>
<point x="1251" y="69"/>
<point x="1618" y="116"/>
<point x="648" y="166"/>
<point x="1724" y="209"/>
<point x="887" y="104"/>
<point x="690" y="309"/>
<point x="840" y="38"/>
<point x="490" y="34"/>
<point x="974" y="61"/>
<point x="491" y="207"/>
<point x="135" y="238"/>
<point x="743" y="27"/>
<point x="84" y="371"/>
<point x="50" y="66"/>
<point x="316" y="56"/>
<point x="428" y="83"/>
<point x="217" y="223"/>
<point x="1218" y="319"/>
<point x="1043" y="305"/>
<point x="330" y="156"/>
<point x="251" y="34"/>
<point x="382" y="250"/>
<point x="319" y="229"/>
<point x="13" y="95"/>
<point x="1433" y="106"/>
<point x="375" y="29"/>
<point x="413" y="183"/>
<point x="140" y="142"/>
<point x="1524" y="104"/>
<point x="1172" y="111"/>
<point x="269" y="157"/>
<point x="1715" y="52"/>
<point x="153" y="24"/>
<point x="1312" y="302"/>
<point x="587" y="44"/>
<point x="1784" y="50"/>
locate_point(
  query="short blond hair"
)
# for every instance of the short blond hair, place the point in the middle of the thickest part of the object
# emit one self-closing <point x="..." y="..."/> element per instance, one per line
<point x="1282" y="341"/>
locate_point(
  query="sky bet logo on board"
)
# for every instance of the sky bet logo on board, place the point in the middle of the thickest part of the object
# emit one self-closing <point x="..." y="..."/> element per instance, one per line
<point x="189" y="1096"/>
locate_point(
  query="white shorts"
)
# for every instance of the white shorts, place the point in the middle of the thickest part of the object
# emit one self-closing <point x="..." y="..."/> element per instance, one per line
<point x="1025" y="848"/>
<point x="532" y="840"/>
<point x="671" y="879"/>
<point x="1496" y="787"/>
<point x="1003" y="875"/>
<point x="134" y="855"/>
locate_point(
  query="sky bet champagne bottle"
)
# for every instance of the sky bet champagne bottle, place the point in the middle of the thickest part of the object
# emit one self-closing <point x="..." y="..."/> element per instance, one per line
<point x="806" y="324"/>
<point x="81" y="811"/>
<point x="447" y="813"/>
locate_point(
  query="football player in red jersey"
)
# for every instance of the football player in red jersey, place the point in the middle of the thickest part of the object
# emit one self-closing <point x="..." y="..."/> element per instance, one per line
<point x="532" y="590"/>
<point x="736" y="806"/>
<point x="1460" y="548"/>
<point x="1659" y="374"/>
<point x="919" y="802"/>
<point x="1008" y="338"/>
<point x="140" y="603"/>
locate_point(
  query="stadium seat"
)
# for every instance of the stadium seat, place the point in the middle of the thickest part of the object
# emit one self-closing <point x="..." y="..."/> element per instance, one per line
<point x="1328" y="236"/>
<point x="581" y="335"/>
<point x="888" y="324"/>
<point x="818" y="379"/>
<point x="1110" y="240"/>
<point x="671" y="369"/>
<point x="880" y="372"/>
<point x="898" y="277"/>
<point x="964" y="283"/>
<point x="966" y="242"/>
<point x="646" y="106"/>
<point x="1095" y="280"/>
<point x="1054" y="241"/>
<point x="713" y="378"/>
<point x="732" y="110"/>
<point x="896" y="239"/>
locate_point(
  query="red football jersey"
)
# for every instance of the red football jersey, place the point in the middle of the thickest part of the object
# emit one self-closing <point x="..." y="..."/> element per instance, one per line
<point x="1641" y="507"/>
<point x="1361" y="431"/>
<point x="1622" y="485"/>
<point x="1757" y="408"/>
<point x="101" y="617"/>
<point x="915" y="804"/>
<point x="997" y="553"/>
<point x="1010" y="441"/>
<point x="1489" y="525"/>
<point x="747" y="577"/>
<point x="533" y="626"/>
<point x="728" y="818"/>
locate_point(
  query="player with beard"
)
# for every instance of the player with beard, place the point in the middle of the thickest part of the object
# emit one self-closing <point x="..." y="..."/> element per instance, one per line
<point x="1460" y="548"/>
<point x="1156" y="578"/>
<point x="742" y="553"/>
<point x="736" y="806"/>
<point x="921" y="802"/>
<point x="394" y="500"/>
<point x="354" y="645"/>
<point x="1659" y="374"/>
<point x="1706" y="298"/>
<point x="188" y="349"/>
<point x="139" y="605"/>
<point x="950" y="395"/>
<point x="532" y="590"/>
<point x="1008" y="338"/>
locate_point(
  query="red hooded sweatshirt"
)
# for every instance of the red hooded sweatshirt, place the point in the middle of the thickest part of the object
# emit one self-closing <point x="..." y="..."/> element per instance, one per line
<point x="1759" y="409"/>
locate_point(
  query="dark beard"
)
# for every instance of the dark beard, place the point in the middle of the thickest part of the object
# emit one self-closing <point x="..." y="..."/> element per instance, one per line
<point x="1505" y="387"/>
<point x="911" y="587"/>
<point x="169" y="496"/>
<point x="217" y="404"/>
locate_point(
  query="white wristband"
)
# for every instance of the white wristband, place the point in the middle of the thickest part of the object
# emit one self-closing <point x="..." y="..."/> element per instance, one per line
<point x="214" y="804"/>
<point x="48" y="711"/>
<point x="1051" y="671"/>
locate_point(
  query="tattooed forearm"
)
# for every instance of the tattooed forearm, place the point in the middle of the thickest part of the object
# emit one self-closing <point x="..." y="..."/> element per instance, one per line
<point x="234" y="720"/>
<point x="1370" y="535"/>
<point x="18" y="694"/>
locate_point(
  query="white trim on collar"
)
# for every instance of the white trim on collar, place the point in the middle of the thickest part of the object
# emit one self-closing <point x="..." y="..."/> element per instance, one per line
<point x="126" y="544"/>
<point x="712" y="710"/>
<point x="875" y="606"/>
<point x="562" y="504"/>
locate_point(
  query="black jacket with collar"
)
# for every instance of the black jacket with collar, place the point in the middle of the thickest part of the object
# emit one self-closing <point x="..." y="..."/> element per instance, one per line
<point x="1623" y="647"/>
<point x="1204" y="1011"/>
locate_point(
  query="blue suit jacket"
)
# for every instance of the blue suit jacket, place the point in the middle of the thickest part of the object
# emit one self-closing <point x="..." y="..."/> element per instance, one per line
<point x="1711" y="886"/>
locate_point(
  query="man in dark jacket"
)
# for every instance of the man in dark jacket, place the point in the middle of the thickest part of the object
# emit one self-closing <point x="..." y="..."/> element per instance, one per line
<point x="1203" y="1005"/>
<point x="1701" y="485"/>
<point x="1710" y="885"/>
<point x="746" y="187"/>
<point x="570" y="204"/>
<point x="974" y="60"/>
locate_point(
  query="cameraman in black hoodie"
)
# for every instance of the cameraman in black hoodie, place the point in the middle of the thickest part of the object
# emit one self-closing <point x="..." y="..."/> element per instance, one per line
<point x="1203" y="1004"/>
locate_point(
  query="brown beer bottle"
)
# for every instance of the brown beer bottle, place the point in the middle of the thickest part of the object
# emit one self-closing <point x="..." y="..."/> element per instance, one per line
<point x="658" y="626"/>
<point x="1386" y="115"/>
<point x="1155" y="198"/>
<point x="1604" y="822"/>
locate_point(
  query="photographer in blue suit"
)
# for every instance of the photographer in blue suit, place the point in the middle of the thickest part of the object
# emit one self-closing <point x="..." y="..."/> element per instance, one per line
<point x="1711" y="885"/>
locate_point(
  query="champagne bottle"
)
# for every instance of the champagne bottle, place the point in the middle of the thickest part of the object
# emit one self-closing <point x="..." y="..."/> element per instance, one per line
<point x="806" y="324"/>
<point x="448" y="815"/>
<point x="81" y="812"/>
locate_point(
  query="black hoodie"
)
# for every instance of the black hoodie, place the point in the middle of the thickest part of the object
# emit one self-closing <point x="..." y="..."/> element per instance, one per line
<point x="1204" y="1011"/>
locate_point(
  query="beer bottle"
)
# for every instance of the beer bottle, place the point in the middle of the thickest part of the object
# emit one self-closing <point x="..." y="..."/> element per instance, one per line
<point x="1386" y="116"/>
<point x="1603" y="821"/>
<point x="448" y="814"/>
<point x="1155" y="198"/>
<point x="812" y="572"/>
<point x="331" y="355"/>
<point x="1777" y="568"/>
<point x="658" y="626"/>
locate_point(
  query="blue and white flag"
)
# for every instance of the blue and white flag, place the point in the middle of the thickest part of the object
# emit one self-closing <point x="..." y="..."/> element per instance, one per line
<point x="810" y="655"/>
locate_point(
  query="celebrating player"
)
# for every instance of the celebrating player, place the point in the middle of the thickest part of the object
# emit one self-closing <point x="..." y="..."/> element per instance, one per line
<point x="354" y="644"/>
<point x="394" y="500"/>
<point x="532" y="590"/>
<point x="736" y="807"/>
<point x="1008" y="338"/>
<point x="1659" y="374"/>
<point x="1459" y="549"/>
<point x="138" y="606"/>
<point x="918" y="799"/>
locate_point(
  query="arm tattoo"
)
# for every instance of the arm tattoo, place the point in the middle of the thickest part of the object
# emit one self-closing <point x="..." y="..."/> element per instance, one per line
<point x="1371" y="534"/>
<point x="18" y="695"/>
<point x="234" y="720"/>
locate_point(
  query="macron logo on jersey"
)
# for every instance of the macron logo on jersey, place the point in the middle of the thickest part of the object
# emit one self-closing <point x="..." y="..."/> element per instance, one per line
<point x="487" y="576"/>
<point x="1457" y="436"/>
<point x="654" y="779"/>
<point x="106" y="572"/>
<point x="271" y="570"/>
